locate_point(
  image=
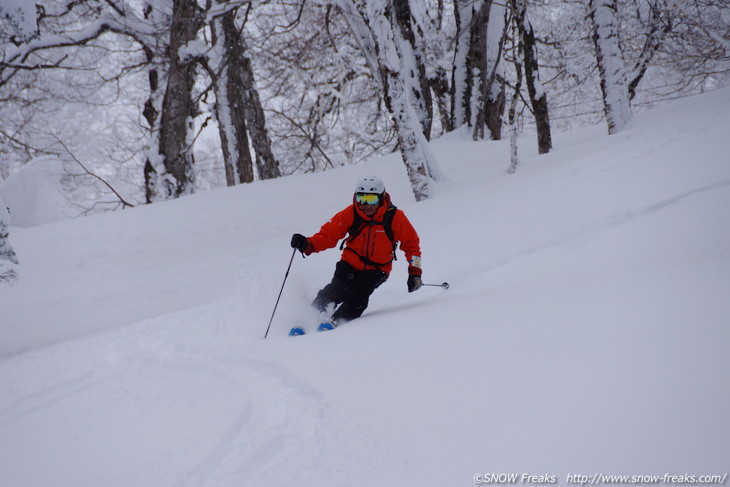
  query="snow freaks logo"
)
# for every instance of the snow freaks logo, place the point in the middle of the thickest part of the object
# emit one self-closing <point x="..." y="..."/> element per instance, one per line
<point x="514" y="478"/>
<point x="600" y="479"/>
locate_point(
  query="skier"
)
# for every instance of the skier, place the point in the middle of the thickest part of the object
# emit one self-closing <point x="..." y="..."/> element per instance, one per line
<point x="375" y="227"/>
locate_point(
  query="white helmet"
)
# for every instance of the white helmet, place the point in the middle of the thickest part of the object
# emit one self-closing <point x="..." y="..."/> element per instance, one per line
<point x="370" y="184"/>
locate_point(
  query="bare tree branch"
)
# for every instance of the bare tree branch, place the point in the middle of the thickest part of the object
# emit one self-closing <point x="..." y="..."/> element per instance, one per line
<point x="89" y="173"/>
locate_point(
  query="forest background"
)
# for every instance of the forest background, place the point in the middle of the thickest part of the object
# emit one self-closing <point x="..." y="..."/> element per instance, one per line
<point x="137" y="101"/>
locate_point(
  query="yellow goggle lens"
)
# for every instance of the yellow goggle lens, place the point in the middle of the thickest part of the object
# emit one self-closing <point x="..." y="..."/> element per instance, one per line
<point x="367" y="198"/>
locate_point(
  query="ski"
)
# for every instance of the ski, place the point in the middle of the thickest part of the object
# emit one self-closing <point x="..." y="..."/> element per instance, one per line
<point x="298" y="331"/>
<point x="326" y="326"/>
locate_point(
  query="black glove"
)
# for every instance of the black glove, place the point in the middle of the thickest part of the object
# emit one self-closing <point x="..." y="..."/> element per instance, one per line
<point x="299" y="242"/>
<point x="414" y="283"/>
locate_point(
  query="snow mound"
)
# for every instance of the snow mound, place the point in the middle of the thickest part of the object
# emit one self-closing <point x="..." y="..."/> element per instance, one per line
<point x="33" y="194"/>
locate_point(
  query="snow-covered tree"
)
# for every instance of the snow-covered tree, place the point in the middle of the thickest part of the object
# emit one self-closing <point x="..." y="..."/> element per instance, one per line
<point x="390" y="55"/>
<point x="324" y="107"/>
<point x="8" y="259"/>
<point x="611" y="66"/>
<point x="529" y="61"/>
<point x="516" y="53"/>
<point x="656" y="21"/>
<point x="66" y="85"/>
<point x="461" y="76"/>
<point x="171" y="174"/>
<point x="416" y="79"/>
<point x="675" y="47"/>
<point x="494" y="94"/>
<point x="478" y="92"/>
<point x="238" y="107"/>
<point x="224" y="66"/>
<point x="437" y="36"/>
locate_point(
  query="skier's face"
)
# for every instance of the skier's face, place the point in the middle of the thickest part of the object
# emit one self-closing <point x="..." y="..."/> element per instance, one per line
<point x="369" y="210"/>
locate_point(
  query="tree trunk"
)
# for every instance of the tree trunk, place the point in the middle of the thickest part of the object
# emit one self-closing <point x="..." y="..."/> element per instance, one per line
<point x="230" y="113"/>
<point x="477" y="65"/>
<point x="169" y="167"/>
<point x="611" y="67"/>
<point x="538" y="97"/>
<point x="7" y="271"/>
<point x="440" y="86"/>
<point x="417" y="82"/>
<point x="411" y="141"/>
<point x="461" y="78"/>
<point x="151" y="112"/>
<point x="178" y="107"/>
<point x="494" y="108"/>
<point x="266" y="164"/>
<point x="396" y="60"/>
<point x="512" y="117"/>
<point x="390" y="57"/>
<point x="659" y="27"/>
<point x="496" y="89"/>
<point x="478" y="95"/>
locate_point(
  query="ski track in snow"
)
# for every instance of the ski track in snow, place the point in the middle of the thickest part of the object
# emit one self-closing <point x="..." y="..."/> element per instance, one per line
<point x="279" y="416"/>
<point x="268" y="416"/>
<point x="610" y="222"/>
<point x="35" y="402"/>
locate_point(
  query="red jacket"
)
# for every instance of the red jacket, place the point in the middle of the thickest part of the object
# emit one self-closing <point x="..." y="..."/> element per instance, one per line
<point x="372" y="243"/>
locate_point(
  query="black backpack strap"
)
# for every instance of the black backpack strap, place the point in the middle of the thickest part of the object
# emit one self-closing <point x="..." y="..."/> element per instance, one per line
<point x="355" y="228"/>
<point x="388" y="227"/>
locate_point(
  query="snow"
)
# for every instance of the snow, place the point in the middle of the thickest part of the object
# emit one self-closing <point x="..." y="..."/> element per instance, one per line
<point x="194" y="48"/>
<point x="585" y="329"/>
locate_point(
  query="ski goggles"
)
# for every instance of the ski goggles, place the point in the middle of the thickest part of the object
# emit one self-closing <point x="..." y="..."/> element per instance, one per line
<point x="367" y="198"/>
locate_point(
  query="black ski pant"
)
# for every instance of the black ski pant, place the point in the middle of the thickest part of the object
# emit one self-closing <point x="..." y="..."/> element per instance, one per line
<point x="350" y="289"/>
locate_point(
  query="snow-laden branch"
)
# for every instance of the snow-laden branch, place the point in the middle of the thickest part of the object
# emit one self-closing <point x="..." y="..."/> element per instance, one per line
<point x="221" y="9"/>
<point x="120" y="19"/>
<point x="360" y="28"/>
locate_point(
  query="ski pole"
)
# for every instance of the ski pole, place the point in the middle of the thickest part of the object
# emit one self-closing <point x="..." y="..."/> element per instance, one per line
<point x="444" y="285"/>
<point x="280" y="291"/>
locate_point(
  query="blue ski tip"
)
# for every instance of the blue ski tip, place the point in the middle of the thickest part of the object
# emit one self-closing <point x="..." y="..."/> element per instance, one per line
<point x="326" y="327"/>
<point x="294" y="332"/>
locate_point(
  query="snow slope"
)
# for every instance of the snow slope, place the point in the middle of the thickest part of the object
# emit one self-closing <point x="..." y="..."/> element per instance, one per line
<point x="586" y="329"/>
